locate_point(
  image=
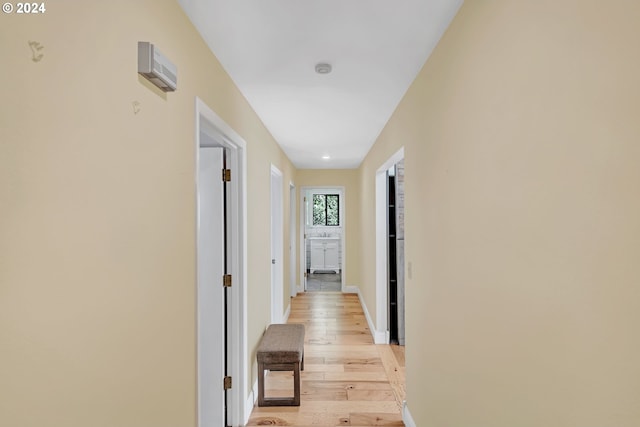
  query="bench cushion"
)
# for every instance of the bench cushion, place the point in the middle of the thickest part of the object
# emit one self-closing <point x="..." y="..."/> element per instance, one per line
<point x="282" y="344"/>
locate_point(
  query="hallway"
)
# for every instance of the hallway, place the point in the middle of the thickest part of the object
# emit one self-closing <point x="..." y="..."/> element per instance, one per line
<point x="347" y="379"/>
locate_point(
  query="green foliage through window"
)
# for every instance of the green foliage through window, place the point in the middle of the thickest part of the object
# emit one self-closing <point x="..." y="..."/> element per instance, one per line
<point x="326" y="209"/>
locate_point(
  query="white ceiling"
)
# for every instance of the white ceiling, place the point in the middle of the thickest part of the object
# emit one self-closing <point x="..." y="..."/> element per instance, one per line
<point x="270" y="49"/>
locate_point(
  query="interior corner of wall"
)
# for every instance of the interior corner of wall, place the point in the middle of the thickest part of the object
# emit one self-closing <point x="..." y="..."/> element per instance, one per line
<point x="250" y="403"/>
<point x="406" y="415"/>
<point x="285" y="318"/>
<point x="379" y="337"/>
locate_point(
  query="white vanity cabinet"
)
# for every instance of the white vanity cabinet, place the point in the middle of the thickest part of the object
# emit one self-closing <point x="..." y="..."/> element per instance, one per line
<point x="324" y="254"/>
<point x="317" y="255"/>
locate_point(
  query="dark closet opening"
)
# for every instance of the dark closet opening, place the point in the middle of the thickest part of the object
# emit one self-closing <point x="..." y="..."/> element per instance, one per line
<point x="392" y="261"/>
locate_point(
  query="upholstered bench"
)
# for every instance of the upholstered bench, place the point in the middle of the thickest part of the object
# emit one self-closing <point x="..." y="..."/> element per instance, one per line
<point x="281" y="349"/>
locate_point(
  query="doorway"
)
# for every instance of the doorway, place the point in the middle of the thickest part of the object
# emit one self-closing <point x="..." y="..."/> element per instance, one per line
<point x="322" y="228"/>
<point x="277" y="293"/>
<point x="220" y="253"/>
<point x="395" y="252"/>
<point x="292" y="240"/>
<point x="390" y="251"/>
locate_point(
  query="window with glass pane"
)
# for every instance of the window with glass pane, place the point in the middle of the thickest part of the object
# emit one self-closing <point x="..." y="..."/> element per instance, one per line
<point x="326" y="209"/>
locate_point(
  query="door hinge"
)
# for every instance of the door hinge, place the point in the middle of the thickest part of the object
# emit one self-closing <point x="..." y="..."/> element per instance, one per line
<point x="227" y="383"/>
<point x="226" y="280"/>
<point x="226" y="175"/>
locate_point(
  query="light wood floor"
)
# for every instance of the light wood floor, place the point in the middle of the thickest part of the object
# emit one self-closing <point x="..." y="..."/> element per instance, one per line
<point x="347" y="380"/>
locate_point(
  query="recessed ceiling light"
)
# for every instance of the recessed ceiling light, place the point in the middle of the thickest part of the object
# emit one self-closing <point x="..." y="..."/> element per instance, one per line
<point x="323" y="68"/>
<point x="326" y="157"/>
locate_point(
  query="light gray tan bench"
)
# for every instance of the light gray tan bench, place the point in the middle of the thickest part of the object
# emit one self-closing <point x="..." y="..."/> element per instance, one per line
<point x="281" y="349"/>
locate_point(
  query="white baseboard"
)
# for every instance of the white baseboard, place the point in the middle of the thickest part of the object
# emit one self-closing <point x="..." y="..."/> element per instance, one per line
<point x="350" y="289"/>
<point x="379" y="337"/>
<point x="406" y="416"/>
<point x="250" y="403"/>
<point x="286" y="314"/>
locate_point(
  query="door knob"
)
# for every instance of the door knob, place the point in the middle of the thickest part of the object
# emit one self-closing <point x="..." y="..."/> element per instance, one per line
<point x="273" y="261"/>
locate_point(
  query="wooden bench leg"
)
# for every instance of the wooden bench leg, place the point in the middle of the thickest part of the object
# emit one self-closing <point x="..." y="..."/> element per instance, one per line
<point x="279" y="401"/>
<point x="296" y="384"/>
<point x="261" y="401"/>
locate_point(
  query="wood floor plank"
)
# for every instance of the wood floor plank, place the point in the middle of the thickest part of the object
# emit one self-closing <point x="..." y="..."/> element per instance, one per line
<point x="395" y="373"/>
<point x="342" y="348"/>
<point x="373" y="419"/>
<point x="398" y="352"/>
<point x="353" y="361"/>
<point x="363" y="368"/>
<point x="355" y="376"/>
<point x="386" y="407"/>
<point x="367" y="395"/>
<point x="323" y="394"/>
<point x="323" y="368"/>
<point x="348" y="385"/>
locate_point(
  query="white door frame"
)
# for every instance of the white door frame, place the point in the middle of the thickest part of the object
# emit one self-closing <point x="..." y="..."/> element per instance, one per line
<point x="341" y="190"/>
<point x="292" y="240"/>
<point x="302" y="254"/>
<point x="277" y="243"/>
<point x="210" y="127"/>
<point x="381" y="334"/>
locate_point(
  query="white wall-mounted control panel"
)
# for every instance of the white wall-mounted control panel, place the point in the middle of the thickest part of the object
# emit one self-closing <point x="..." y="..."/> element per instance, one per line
<point x="153" y="65"/>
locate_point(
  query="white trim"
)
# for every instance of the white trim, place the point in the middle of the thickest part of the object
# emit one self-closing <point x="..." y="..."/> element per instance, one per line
<point x="239" y="368"/>
<point x="351" y="289"/>
<point x="251" y="402"/>
<point x="302" y="246"/>
<point x="379" y="337"/>
<point x="406" y="416"/>
<point x="285" y="318"/>
<point x="293" y="287"/>
<point x="381" y="241"/>
<point x="277" y="240"/>
<point x="381" y="248"/>
<point x="343" y="240"/>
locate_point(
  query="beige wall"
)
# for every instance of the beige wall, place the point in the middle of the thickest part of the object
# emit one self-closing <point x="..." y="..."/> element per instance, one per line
<point x="347" y="178"/>
<point x="523" y="217"/>
<point x="97" y="208"/>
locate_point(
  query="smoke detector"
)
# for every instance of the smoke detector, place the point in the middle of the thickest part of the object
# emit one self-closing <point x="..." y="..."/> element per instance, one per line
<point x="323" y="68"/>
